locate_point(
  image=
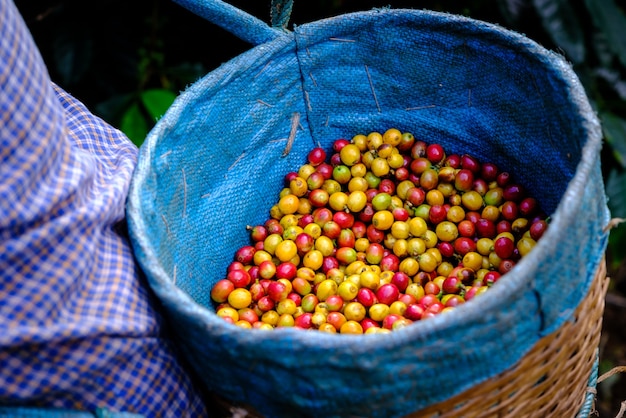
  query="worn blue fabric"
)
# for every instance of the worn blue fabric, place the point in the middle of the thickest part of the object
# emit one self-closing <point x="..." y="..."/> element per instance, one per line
<point x="27" y="412"/>
<point x="216" y="162"/>
<point x="79" y="327"/>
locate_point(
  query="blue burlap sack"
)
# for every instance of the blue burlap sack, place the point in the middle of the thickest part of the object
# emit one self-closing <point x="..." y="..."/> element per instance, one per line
<point x="216" y="161"/>
<point x="33" y="412"/>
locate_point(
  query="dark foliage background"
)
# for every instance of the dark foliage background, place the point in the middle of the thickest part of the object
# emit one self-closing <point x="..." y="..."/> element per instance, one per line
<point x="127" y="61"/>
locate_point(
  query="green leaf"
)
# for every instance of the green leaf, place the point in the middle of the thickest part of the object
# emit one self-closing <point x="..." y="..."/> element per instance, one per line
<point x="134" y="124"/>
<point x="157" y="101"/>
<point x="617" y="242"/>
<point x="610" y="19"/>
<point x="562" y="24"/>
<point x="615" y="188"/>
<point x="615" y="134"/>
<point x="616" y="193"/>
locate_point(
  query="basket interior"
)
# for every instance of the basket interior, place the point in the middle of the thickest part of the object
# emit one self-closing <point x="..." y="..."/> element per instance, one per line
<point x="220" y="166"/>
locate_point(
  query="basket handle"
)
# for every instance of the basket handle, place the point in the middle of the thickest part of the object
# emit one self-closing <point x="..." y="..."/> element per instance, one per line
<point x="241" y="24"/>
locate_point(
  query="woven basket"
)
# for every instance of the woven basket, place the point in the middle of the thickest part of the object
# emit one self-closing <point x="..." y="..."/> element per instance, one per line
<point x="204" y="173"/>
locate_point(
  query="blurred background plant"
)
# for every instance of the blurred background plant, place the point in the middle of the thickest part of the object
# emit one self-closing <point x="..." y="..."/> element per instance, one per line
<point x="127" y="61"/>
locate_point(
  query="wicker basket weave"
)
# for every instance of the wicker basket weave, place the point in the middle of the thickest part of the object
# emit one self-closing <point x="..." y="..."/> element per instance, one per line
<point x="552" y="380"/>
<point x="555" y="379"/>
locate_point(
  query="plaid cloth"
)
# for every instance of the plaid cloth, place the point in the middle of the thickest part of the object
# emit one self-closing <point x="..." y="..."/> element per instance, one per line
<point x="78" y="327"/>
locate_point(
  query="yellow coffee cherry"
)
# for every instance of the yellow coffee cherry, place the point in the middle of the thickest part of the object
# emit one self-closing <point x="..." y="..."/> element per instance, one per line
<point x="289" y="204"/>
<point x="392" y="136"/>
<point x="383" y="219"/>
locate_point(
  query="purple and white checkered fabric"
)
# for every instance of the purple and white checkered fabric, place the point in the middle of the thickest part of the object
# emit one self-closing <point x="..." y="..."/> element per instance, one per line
<point x="78" y="327"/>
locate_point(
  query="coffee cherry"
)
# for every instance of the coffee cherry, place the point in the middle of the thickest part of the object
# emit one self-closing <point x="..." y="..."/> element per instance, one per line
<point x="506" y="266"/>
<point x="356" y="201"/>
<point x="393" y="137"/>
<point x="342" y="174"/>
<point x="221" y="290"/>
<point x="338" y="144"/>
<point x="239" y="278"/>
<point x="451" y="300"/>
<point x="452" y="285"/>
<point x="406" y="142"/>
<point x="381" y="201"/>
<point x="286" y="270"/>
<point x="494" y="196"/>
<point x="464" y="180"/>
<point x="446" y="249"/>
<point x="239" y="298"/>
<point x="447" y="231"/>
<point x="390" y="320"/>
<point x="525" y="245"/>
<point x="503" y="178"/>
<point x="351" y="327"/>
<point x="245" y="254"/>
<point x="472" y="260"/>
<point x="350" y="154"/>
<point x="466" y="228"/>
<point x="325" y="169"/>
<point x="528" y="207"/>
<point x="472" y="200"/>
<point x="488" y="171"/>
<point x="513" y="192"/>
<point x="347" y="290"/>
<point x="485" y="228"/>
<point x="480" y="186"/>
<point x="435" y="153"/>
<point x="437" y="214"/>
<point x="366" y="297"/>
<point x="316" y="156"/>
<point x="463" y="245"/>
<point x="504" y="247"/>
<point x="387" y="231"/>
<point x="537" y="229"/>
<point x="470" y="163"/>
<point x="315" y="181"/>
<point x="286" y="250"/>
<point x="387" y="186"/>
<point x="414" y="312"/>
<point x="354" y="311"/>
